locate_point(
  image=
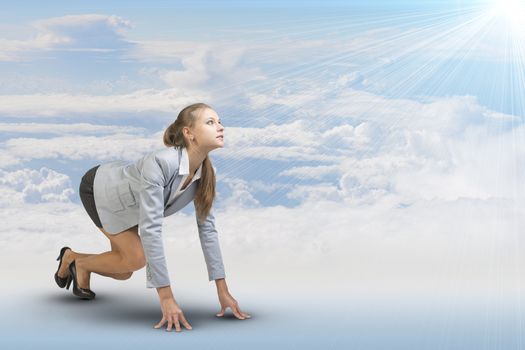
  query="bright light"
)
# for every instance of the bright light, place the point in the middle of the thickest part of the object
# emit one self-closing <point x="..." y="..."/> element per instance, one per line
<point x="514" y="10"/>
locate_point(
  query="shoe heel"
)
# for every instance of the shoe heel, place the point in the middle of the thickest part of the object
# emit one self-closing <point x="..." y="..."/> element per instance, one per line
<point x="62" y="252"/>
<point x="61" y="281"/>
<point x="83" y="293"/>
<point x="69" y="280"/>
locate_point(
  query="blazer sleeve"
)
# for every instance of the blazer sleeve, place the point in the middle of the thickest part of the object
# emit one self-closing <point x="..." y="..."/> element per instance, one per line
<point x="151" y="214"/>
<point x="209" y="239"/>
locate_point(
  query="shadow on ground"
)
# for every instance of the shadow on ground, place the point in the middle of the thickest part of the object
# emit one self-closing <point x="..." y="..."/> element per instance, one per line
<point x="125" y="311"/>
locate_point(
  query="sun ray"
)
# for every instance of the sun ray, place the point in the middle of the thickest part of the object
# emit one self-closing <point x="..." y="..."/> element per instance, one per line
<point x="429" y="52"/>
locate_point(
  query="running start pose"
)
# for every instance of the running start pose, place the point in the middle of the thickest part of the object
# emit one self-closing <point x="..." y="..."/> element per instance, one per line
<point x="127" y="202"/>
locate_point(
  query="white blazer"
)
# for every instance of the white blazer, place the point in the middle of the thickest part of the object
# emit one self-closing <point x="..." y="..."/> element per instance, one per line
<point x="143" y="193"/>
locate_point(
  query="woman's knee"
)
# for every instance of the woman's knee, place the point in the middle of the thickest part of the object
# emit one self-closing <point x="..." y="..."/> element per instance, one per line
<point x="129" y="246"/>
<point x="123" y="276"/>
<point x="136" y="261"/>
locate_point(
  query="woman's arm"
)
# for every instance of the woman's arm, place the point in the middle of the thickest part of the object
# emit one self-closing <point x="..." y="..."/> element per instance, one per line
<point x="209" y="239"/>
<point x="171" y="312"/>
<point x="228" y="301"/>
<point x="151" y="214"/>
<point x="221" y="285"/>
<point x="212" y="254"/>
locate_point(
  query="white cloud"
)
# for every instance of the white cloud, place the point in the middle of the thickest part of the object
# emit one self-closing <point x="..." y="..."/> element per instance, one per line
<point x="307" y="97"/>
<point x="411" y="191"/>
<point x="348" y="137"/>
<point x="206" y="67"/>
<point x="350" y="79"/>
<point x="241" y="195"/>
<point x="278" y="51"/>
<point x="295" y="133"/>
<point x="88" y="32"/>
<point x="83" y="27"/>
<point x="108" y="106"/>
<point x="32" y="186"/>
<point x="73" y="128"/>
<point x="280" y="153"/>
<point x="442" y="148"/>
<point x="258" y="185"/>
<point x="106" y="148"/>
<point x="419" y="181"/>
<point x="359" y="249"/>
<point x="478" y="165"/>
<point x="8" y="159"/>
<point x="313" y="193"/>
<point x="311" y="172"/>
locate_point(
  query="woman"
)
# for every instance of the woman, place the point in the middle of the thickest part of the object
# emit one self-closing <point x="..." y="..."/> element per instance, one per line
<point x="131" y="201"/>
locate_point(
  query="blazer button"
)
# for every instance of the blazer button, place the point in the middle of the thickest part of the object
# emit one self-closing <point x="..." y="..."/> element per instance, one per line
<point x="148" y="272"/>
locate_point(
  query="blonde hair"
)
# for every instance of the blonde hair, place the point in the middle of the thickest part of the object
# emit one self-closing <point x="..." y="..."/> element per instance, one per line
<point x="173" y="137"/>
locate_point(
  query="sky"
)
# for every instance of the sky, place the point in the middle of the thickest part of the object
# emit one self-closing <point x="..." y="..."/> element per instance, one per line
<point x="373" y="156"/>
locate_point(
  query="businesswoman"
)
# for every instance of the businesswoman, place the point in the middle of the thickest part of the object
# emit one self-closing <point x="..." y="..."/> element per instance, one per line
<point x="128" y="200"/>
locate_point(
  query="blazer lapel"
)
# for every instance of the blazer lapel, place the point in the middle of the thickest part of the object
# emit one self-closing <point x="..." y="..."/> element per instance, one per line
<point x="172" y="205"/>
<point x="172" y="187"/>
<point x="186" y="197"/>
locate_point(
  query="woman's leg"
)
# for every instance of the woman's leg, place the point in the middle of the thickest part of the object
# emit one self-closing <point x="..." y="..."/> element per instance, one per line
<point x="126" y="256"/>
<point x="71" y="255"/>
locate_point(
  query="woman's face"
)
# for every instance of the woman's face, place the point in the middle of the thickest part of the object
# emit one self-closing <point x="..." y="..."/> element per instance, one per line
<point x="208" y="130"/>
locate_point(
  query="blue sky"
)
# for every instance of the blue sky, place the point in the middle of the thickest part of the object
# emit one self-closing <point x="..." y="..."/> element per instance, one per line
<point x="373" y="146"/>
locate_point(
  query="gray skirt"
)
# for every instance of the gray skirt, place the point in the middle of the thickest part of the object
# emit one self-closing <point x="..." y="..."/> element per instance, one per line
<point x="86" y="195"/>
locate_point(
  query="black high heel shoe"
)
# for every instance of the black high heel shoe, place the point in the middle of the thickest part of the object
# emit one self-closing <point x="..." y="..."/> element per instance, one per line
<point x="83" y="293"/>
<point x="61" y="281"/>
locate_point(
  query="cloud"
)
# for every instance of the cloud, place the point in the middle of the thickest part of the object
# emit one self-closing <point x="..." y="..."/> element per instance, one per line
<point x="265" y="187"/>
<point x="105" y="148"/>
<point x="230" y="51"/>
<point x="205" y="67"/>
<point x="314" y="193"/>
<point x="354" y="79"/>
<point x="223" y="68"/>
<point x="88" y="32"/>
<point x="294" y="133"/>
<point x="441" y="148"/>
<point x="79" y="128"/>
<point x="376" y="247"/>
<point x="311" y="172"/>
<point x="349" y="137"/>
<point x="8" y="159"/>
<point x="396" y="188"/>
<point x="370" y="147"/>
<point x="241" y="194"/>
<point x="32" y="186"/>
<point x="51" y="105"/>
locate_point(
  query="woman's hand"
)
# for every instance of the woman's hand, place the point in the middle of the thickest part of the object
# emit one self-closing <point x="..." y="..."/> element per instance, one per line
<point x="226" y="300"/>
<point x="172" y="313"/>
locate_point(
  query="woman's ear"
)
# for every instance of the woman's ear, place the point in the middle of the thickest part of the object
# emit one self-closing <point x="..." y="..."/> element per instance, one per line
<point x="186" y="133"/>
